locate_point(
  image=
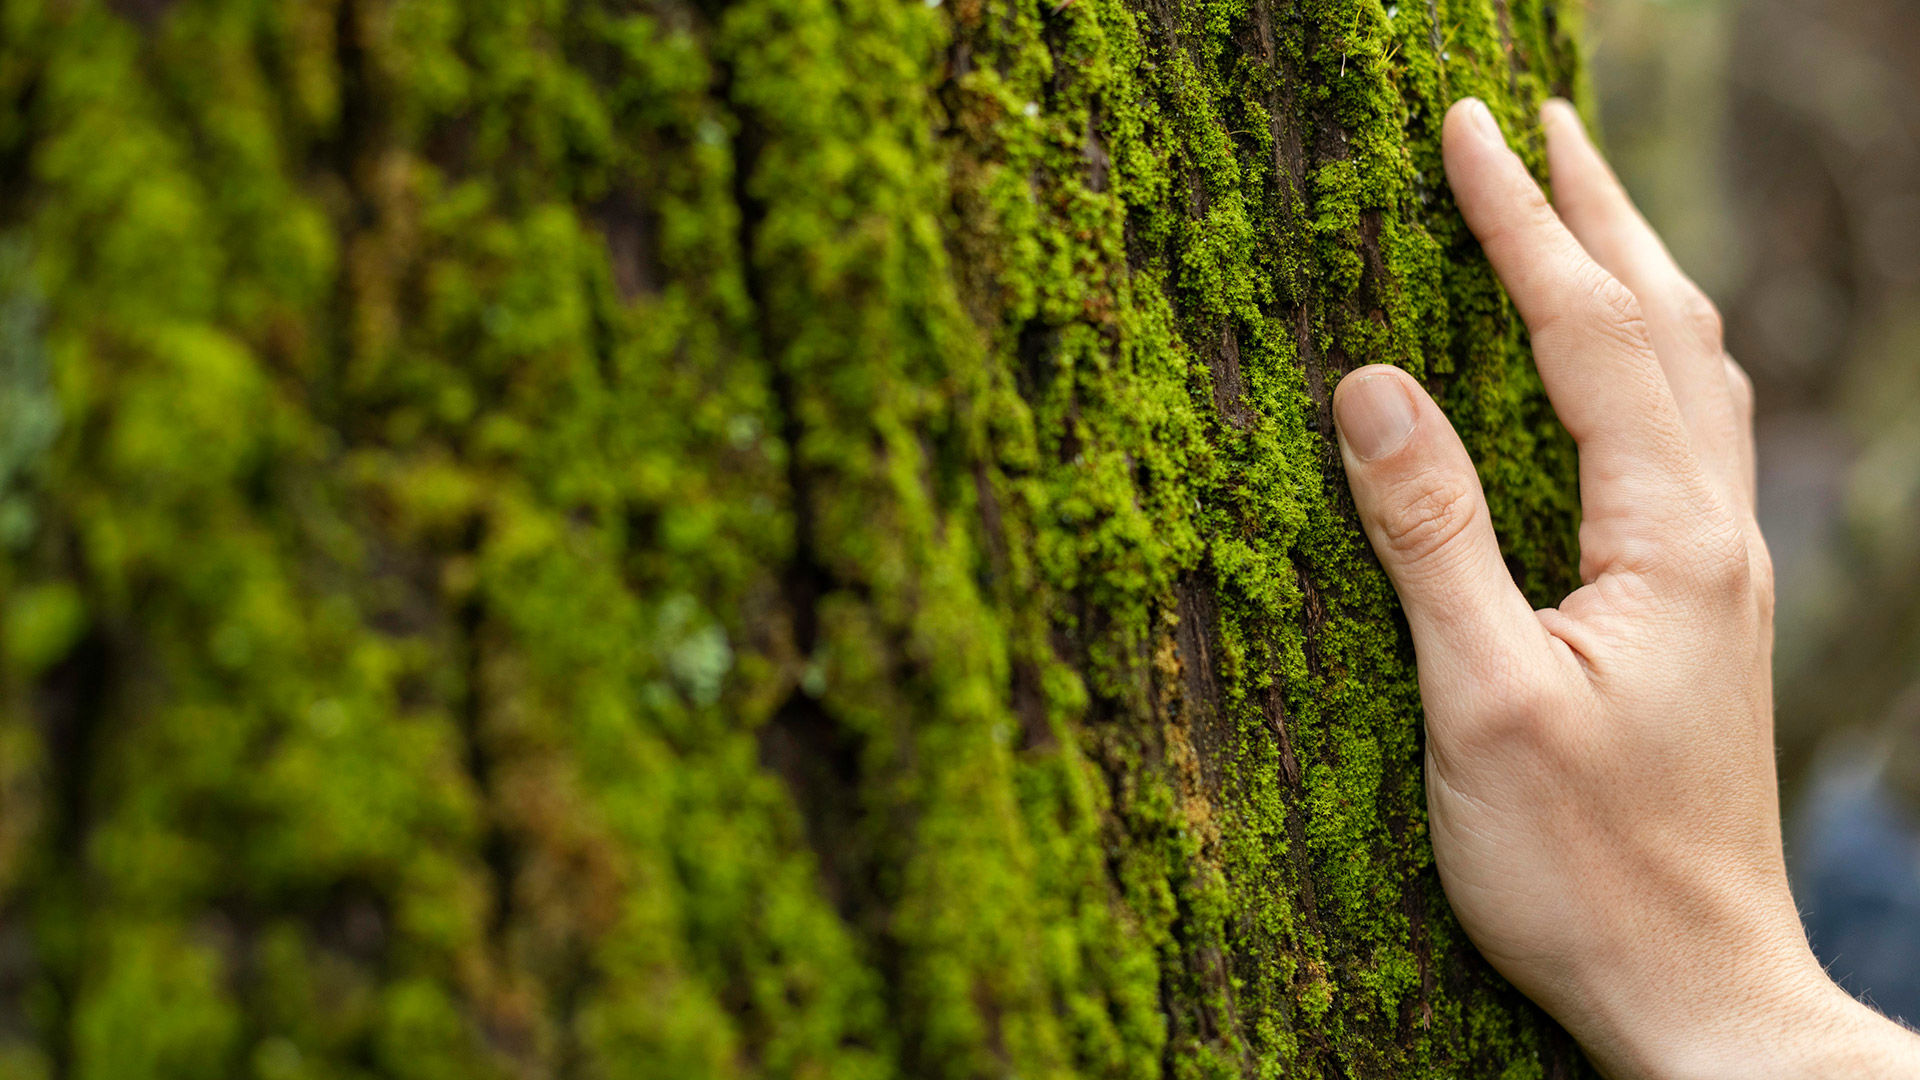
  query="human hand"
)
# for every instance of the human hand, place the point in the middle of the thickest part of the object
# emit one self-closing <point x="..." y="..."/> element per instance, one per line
<point x="1600" y="775"/>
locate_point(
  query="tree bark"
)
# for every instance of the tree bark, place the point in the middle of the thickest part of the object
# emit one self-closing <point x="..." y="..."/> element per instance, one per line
<point x="788" y="538"/>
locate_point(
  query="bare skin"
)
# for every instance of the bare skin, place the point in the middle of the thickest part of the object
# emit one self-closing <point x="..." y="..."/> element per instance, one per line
<point x="1600" y="775"/>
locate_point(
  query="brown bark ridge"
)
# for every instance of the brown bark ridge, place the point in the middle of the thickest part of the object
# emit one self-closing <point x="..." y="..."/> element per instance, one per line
<point x="774" y="538"/>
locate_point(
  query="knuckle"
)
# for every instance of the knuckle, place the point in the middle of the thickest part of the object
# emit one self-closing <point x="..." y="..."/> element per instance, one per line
<point x="1616" y="313"/>
<point x="1724" y="561"/>
<point x="1521" y="227"/>
<point x="1528" y="716"/>
<point x="1598" y="307"/>
<point x="1537" y="214"/>
<point x="1740" y="386"/>
<point x="1435" y="511"/>
<point x="1699" y="315"/>
<point x="1760" y="571"/>
<point x="1515" y="707"/>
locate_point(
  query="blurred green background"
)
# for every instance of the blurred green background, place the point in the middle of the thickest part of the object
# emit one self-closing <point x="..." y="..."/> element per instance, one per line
<point x="1776" y="145"/>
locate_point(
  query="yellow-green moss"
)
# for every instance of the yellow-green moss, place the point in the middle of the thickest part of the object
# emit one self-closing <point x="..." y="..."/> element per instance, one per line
<point x="787" y="538"/>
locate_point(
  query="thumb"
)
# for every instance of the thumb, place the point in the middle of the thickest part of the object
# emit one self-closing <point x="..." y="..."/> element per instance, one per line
<point x="1424" y="512"/>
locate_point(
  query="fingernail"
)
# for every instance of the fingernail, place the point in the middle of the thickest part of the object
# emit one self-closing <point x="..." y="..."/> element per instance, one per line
<point x="1374" y="415"/>
<point x="1483" y="122"/>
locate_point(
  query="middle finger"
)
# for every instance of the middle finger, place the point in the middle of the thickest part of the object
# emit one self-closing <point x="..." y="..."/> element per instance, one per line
<point x="1681" y="320"/>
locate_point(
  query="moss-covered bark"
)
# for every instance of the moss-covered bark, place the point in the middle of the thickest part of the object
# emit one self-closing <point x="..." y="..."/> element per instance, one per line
<point x="789" y="538"/>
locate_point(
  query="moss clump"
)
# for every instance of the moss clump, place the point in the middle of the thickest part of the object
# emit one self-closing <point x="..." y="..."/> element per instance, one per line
<point x="772" y="538"/>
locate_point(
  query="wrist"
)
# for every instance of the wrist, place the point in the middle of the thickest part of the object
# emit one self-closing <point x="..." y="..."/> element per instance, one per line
<point x="1715" y="1010"/>
<point x="1790" y="1023"/>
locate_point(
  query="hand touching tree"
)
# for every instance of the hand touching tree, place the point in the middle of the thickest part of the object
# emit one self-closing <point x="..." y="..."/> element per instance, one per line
<point x="1600" y="775"/>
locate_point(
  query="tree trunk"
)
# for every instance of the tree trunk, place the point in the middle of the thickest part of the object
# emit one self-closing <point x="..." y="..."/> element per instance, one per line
<point x="788" y="538"/>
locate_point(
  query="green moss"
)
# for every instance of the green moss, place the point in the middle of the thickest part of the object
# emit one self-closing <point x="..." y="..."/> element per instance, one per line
<point x="780" y="538"/>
